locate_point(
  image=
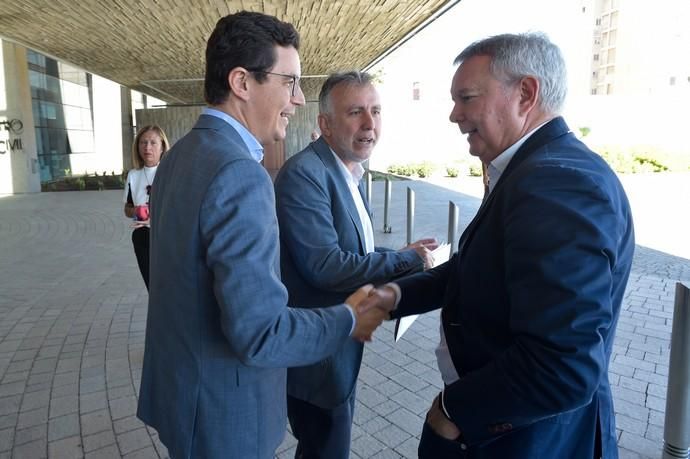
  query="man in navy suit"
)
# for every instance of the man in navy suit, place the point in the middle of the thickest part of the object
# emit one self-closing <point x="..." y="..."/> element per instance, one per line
<point x="327" y="251"/>
<point x="531" y="300"/>
<point x="219" y="335"/>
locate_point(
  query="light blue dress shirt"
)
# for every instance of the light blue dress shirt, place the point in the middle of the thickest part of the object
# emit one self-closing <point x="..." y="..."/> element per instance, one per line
<point x="253" y="145"/>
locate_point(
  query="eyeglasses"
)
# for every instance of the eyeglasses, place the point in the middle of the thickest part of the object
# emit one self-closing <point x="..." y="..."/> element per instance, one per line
<point x="294" y="78"/>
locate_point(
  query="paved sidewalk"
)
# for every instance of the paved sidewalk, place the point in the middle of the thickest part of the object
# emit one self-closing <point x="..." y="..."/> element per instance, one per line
<point x="72" y="320"/>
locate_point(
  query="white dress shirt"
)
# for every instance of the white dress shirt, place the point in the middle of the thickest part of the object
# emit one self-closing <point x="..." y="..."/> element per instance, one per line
<point x="352" y="179"/>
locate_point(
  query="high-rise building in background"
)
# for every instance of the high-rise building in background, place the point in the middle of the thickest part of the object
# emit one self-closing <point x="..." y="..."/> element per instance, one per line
<point x="639" y="48"/>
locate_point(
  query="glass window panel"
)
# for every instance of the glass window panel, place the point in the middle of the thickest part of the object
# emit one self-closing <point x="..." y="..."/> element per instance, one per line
<point x="62" y="113"/>
<point x="73" y="117"/>
<point x="80" y="141"/>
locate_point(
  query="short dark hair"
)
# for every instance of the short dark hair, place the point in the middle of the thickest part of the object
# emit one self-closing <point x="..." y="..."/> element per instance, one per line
<point x="351" y="78"/>
<point x="245" y="39"/>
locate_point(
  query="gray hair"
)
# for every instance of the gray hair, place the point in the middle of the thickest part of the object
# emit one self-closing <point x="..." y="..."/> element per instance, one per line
<point x="351" y="78"/>
<point x="515" y="56"/>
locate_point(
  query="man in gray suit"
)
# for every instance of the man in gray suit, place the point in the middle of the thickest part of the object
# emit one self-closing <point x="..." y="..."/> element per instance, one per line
<point x="327" y="251"/>
<point x="219" y="334"/>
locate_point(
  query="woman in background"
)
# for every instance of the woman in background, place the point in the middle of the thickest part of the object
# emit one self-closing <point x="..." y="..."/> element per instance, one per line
<point x="150" y="144"/>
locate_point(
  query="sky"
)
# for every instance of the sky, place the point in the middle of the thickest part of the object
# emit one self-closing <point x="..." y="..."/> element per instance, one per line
<point x="416" y="131"/>
<point x="428" y="59"/>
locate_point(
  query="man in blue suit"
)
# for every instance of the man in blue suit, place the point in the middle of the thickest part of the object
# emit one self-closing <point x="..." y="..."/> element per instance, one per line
<point x="531" y="300"/>
<point x="327" y="251"/>
<point x="219" y="335"/>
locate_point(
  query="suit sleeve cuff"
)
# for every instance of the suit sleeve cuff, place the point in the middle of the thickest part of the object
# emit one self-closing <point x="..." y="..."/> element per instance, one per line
<point x="354" y="320"/>
<point x="398" y="293"/>
<point x="443" y="406"/>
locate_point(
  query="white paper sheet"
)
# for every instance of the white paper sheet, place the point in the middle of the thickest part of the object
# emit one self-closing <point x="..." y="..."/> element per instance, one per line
<point x="441" y="255"/>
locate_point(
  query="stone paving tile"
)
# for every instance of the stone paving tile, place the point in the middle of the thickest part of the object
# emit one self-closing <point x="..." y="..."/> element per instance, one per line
<point x="71" y="351"/>
<point x="66" y="448"/>
<point x="10" y="404"/>
<point x="97" y="441"/>
<point x="145" y="453"/>
<point x="640" y="445"/>
<point x="6" y="439"/>
<point x="36" y="449"/>
<point x="391" y="436"/>
<point x="95" y="422"/>
<point x="123" y="407"/>
<point x="627" y="454"/>
<point x="63" y="427"/>
<point x="134" y="440"/>
<point x="60" y="406"/>
<point x="408" y="448"/>
<point x="31" y="418"/>
<point x="127" y="424"/>
<point x="8" y="420"/>
<point x="30" y="434"/>
<point x="366" y="446"/>
<point x="109" y="452"/>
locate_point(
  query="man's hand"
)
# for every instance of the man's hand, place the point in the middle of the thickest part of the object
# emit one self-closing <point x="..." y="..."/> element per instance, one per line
<point x="380" y="298"/>
<point x="440" y="423"/>
<point x="361" y="294"/>
<point x="423" y="247"/>
<point x="430" y="243"/>
<point x="366" y="321"/>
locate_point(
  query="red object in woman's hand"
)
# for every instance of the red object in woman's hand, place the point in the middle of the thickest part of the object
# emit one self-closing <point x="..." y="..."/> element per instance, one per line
<point x="142" y="212"/>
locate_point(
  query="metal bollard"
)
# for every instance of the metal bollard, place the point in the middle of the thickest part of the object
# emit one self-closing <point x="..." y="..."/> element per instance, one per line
<point x="386" y="206"/>
<point x="410" y="215"/>
<point x="453" y="226"/>
<point x="367" y="186"/>
<point x="677" y="423"/>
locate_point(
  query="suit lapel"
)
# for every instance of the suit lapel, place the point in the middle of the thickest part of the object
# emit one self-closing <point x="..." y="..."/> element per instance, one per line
<point x="363" y="194"/>
<point x="547" y="133"/>
<point x="326" y="155"/>
<point x="550" y="131"/>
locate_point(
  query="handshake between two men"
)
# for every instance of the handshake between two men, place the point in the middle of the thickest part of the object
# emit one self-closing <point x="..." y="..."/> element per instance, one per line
<point x="372" y="306"/>
<point x="370" y="309"/>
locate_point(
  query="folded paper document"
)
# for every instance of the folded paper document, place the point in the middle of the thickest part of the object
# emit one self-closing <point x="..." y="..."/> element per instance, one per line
<point x="441" y="255"/>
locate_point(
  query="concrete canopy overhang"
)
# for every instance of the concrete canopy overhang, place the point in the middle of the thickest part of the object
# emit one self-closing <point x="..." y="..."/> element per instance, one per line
<point x="157" y="47"/>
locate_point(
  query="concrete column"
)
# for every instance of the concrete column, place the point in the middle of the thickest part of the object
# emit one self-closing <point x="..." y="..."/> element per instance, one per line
<point x="19" y="168"/>
<point x="127" y="127"/>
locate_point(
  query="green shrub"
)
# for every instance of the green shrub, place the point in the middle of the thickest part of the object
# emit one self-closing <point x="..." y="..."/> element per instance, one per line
<point x="378" y="175"/>
<point x="86" y="182"/>
<point x="406" y="170"/>
<point x="452" y="171"/>
<point x="424" y="169"/>
<point x="80" y="183"/>
<point x="650" y="164"/>
<point x="475" y="170"/>
<point x="644" y="159"/>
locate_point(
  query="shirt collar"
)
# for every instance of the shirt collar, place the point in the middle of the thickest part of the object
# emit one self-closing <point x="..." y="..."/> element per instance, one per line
<point x="253" y="145"/>
<point x="500" y="163"/>
<point x="352" y="177"/>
